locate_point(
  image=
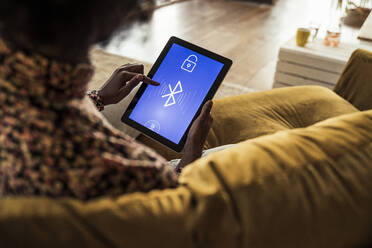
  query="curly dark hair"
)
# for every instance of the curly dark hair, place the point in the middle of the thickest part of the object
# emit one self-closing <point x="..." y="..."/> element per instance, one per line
<point x="63" y="28"/>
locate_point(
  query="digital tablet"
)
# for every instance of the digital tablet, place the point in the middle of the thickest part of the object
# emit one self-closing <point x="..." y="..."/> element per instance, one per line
<point x="189" y="76"/>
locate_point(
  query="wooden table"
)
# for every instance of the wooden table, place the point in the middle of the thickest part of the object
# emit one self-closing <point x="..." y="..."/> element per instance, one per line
<point x="315" y="64"/>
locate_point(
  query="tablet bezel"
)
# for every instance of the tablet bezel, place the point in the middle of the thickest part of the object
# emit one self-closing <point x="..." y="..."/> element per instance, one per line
<point x="212" y="91"/>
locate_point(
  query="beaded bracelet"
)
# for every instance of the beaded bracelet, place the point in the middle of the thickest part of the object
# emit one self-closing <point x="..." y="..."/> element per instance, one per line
<point x="96" y="99"/>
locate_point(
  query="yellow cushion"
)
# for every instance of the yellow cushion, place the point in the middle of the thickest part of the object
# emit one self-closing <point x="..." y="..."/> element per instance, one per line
<point x="243" y="117"/>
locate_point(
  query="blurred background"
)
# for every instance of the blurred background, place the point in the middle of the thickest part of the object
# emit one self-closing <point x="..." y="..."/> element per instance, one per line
<point x="248" y="32"/>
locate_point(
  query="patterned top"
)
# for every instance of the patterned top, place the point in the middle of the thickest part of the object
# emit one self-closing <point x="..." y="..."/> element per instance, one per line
<point x="52" y="143"/>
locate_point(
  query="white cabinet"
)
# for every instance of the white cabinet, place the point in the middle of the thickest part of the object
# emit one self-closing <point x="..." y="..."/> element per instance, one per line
<point x="315" y="64"/>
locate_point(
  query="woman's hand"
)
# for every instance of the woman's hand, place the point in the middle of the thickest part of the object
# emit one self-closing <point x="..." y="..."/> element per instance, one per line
<point x="122" y="82"/>
<point x="197" y="136"/>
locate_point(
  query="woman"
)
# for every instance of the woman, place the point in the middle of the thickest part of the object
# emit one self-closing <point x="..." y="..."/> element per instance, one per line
<point x="51" y="145"/>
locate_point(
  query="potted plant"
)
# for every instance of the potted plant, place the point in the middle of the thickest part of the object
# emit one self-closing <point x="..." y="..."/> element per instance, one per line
<point x="356" y="11"/>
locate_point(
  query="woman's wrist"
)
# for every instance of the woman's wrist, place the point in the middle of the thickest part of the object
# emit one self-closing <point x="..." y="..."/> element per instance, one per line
<point x="191" y="154"/>
<point x="104" y="99"/>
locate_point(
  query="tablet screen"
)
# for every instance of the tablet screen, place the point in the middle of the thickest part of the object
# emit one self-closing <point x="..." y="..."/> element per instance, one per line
<point x="185" y="78"/>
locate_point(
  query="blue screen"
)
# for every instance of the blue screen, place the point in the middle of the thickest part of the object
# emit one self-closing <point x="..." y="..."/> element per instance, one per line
<point x="185" y="78"/>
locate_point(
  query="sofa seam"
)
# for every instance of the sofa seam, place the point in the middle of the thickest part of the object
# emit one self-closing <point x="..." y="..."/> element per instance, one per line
<point x="105" y="241"/>
<point x="234" y="205"/>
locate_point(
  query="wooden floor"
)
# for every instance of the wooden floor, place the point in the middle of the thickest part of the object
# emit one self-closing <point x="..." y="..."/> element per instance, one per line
<point x="249" y="34"/>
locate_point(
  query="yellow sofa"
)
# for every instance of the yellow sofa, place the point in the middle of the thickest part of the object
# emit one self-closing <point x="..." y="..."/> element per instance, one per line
<point x="299" y="176"/>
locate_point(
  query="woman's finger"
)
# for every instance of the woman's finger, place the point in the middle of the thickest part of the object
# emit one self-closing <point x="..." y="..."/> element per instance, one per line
<point x="127" y="76"/>
<point x="130" y="85"/>
<point x="148" y="80"/>
<point x="207" y="109"/>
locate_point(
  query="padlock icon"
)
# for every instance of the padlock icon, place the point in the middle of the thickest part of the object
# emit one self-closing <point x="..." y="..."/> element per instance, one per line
<point x="190" y="63"/>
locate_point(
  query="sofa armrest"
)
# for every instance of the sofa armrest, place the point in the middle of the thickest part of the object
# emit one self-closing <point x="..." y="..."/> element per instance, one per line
<point x="355" y="83"/>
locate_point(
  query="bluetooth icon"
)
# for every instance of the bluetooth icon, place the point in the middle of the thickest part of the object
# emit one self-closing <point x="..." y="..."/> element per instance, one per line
<point x="171" y="100"/>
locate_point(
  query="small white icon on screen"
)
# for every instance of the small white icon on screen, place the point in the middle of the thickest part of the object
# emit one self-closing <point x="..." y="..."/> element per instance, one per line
<point x="153" y="125"/>
<point x="176" y="90"/>
<point x="190" y="63"/>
